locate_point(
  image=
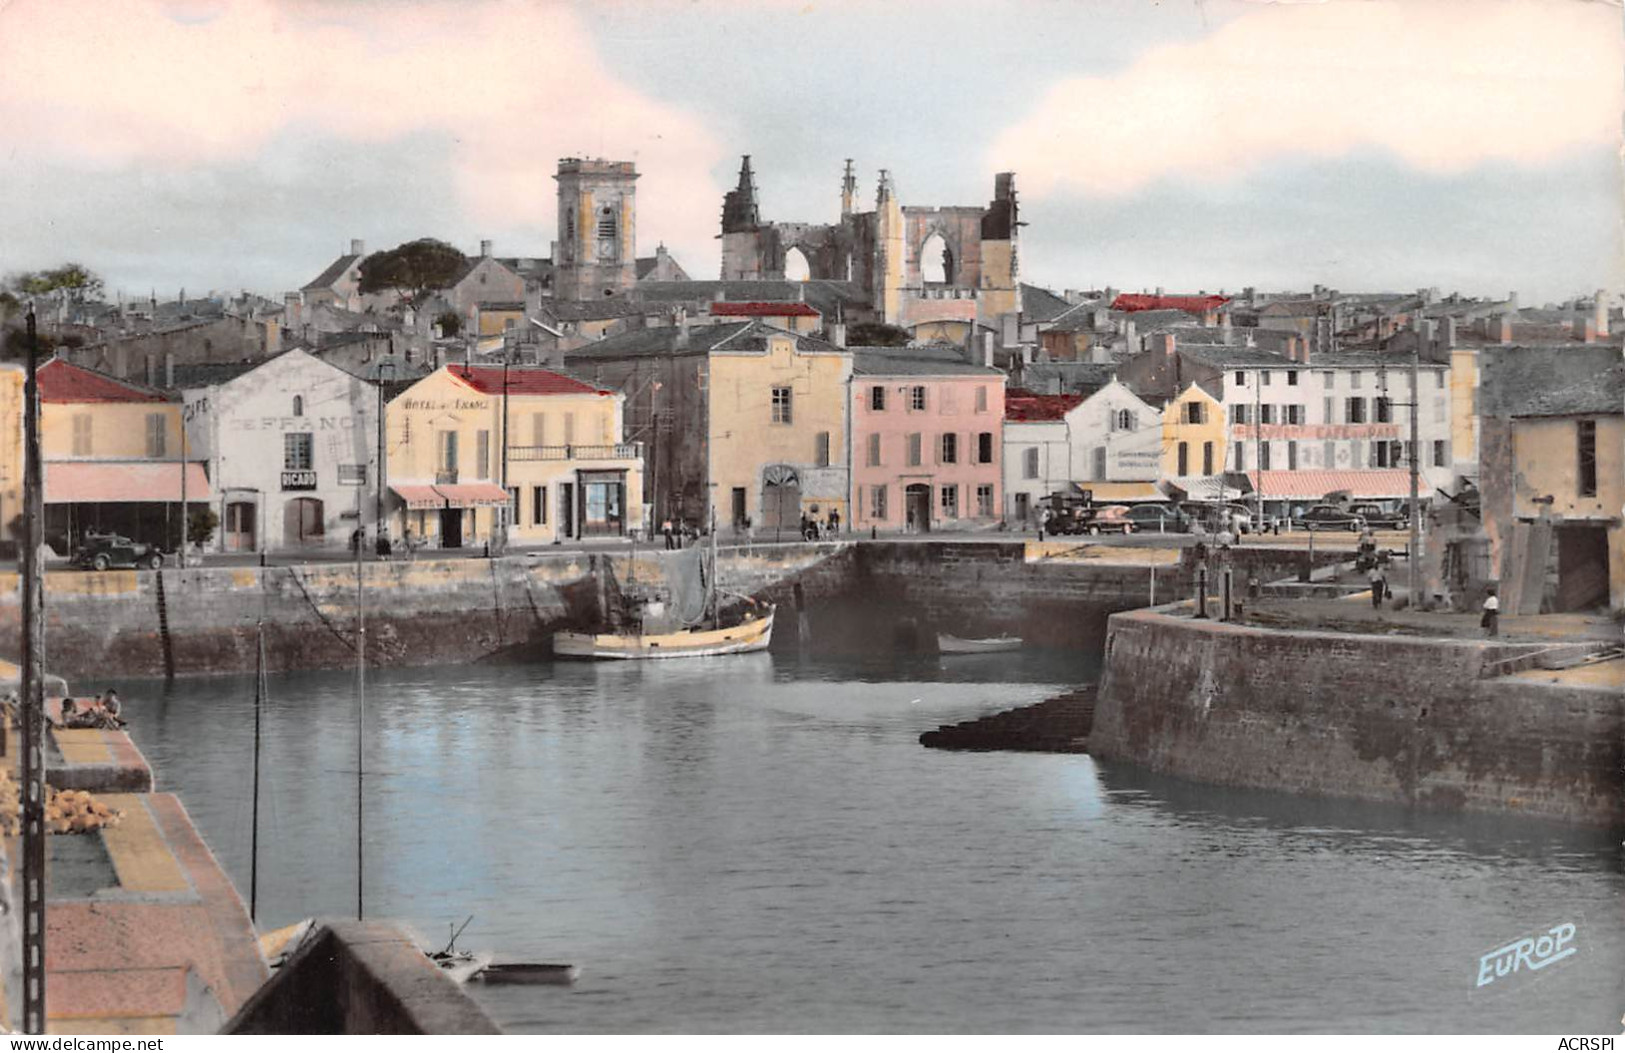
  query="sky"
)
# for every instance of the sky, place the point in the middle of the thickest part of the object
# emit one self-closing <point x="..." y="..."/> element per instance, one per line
<point x="1472" y="145"/>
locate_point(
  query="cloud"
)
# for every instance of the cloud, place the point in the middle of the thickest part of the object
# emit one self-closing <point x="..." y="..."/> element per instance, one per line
<point x="512" y="86"/>
<point x="1442" y="86"/>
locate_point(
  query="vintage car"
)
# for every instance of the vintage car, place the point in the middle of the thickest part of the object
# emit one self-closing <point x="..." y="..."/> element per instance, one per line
<point x="107" y="551"/>
<point x="1378" y="518"/>
<point x="1160" y="518"/>
<point x="1330" y="517"/>
<point x="1107" y="519"/>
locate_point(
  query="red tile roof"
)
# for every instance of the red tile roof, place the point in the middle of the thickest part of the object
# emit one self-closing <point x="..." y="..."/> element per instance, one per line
<point x="1024" y="405"/>
<point x="1150" y="302"/>
<point x="488" y="381"/>
<point x="761" y="309"/>
<point x="62" y="381"/>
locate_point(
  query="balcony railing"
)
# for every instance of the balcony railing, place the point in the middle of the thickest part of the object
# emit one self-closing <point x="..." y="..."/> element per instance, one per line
<point x="576" y="452"/>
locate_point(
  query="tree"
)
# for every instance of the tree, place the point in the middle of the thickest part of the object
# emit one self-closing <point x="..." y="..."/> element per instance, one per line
<point x="200" y="526"/>
<point x="77" y="280"/>
<point x="414" y="270"/>
<point x="877" y="334"/>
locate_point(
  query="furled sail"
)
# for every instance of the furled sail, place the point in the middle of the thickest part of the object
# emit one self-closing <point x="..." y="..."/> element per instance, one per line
<point x="686" y="571"/>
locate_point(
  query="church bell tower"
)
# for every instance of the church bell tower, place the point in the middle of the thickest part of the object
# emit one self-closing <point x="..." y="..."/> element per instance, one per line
<point x="595" y="255"/>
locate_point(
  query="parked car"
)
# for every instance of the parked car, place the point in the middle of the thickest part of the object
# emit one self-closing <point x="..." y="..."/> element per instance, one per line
<point x="1378" y="518"/>
<point x="1163" y="519"/>
<point x="1330" y="517"/>
<point x="1107" y="519"/>
<point x="106" y="551"/>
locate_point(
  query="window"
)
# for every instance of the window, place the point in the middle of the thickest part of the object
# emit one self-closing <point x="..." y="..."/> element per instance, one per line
<point x="1438" y="410"/>
<point x="821" y="449"/>
<point x="1264" y="377"/>
<point x="1331" y="410"/>
<point x="1354" y="379"/>
<point x="1029" y="463"/>
<point x="916" y="397"/>
<point x="156" y="435"/>
<point x="874" y="450"/>
<point x="1207" y="458"/>
<point x="984" y="501"/>
<point x="298" y="405"/>
<point x="1292" y="455"/>
<point x="877" y="502"/>
<point x="482" y="454"/>
<point x="1184" y="459"/>
<point x="981" y="400"/>
<point x="538" y="431"/>
<point x="1241" y="379"/>
<point x="1329" y="379"/>
<point x="950" y="448"/>
<point x="81" y="435"/>
<point x="984" y="448"/>
<point x="781" y="405"/>
<point x="1356" y="411"/>
<point x="538" y="506"/>
<point x="1264" y="456"/>
<point x="950" y="502"/>
<point x="1195" y="413"/>
<point x="1099" y="457"/>
<point x="1441" y="455"/>
<point x="1328" y="454"/>
<point x="914" y="450"/>
<point x="1586" y="437"/>
<point x="877" y="399"/>
<point x="1126" y="420"/>
<point x="513" y="505"/>
<point x="296" y="451"/>
<point x="1266" y="414"/>
<point x="1295" y="414"/>
<point x="1384" y="408"/>
<point x="1240" y="457"/>
<point x="445" y="456"/>
<point x="606" y="222"/>
<point x="1241" y="413"/>
<point x="1438" y="379"/>
<point x="1292" y="378"/>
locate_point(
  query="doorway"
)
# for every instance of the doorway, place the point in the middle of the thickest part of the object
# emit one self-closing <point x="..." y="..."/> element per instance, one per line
<point x="302" y="522"/>
<point x="451" y="528"/>
<point x="917" y="507"/>
<point x="567" y="510"/>
<point x="240" y="519"/>
<point x="739" y="507"/>
<point x="1582" y="568"/>
<point x="781" y="497"/>
<point x="1023" y="508"/>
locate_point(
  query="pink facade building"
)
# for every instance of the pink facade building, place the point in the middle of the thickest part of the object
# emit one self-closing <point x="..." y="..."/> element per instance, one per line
<point x="927" y="437"/>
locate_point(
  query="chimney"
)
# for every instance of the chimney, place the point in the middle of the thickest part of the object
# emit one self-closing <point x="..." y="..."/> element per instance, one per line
<point x="1304" y="351"/>
<point x="1599" y="312"/>
<point x="1512" y="300"/>
<point x="681" y="339"/>
<point x="1450" y="331"/>
<point x="837" y="334"/>
<point x="1110" y="296"/>
<point x="1159" y="290"/>
<point x="152" y="371"/>
<point x="358" y="247"/>
<point x="1168" y="343"/>
<point x="1129" y="340"/>
<point x="1501" y="329"/>
<point x="1585" y="327"/>
<point x="1224" y="325"/>
<point x="292" y="311"/>
<point x="987" y="349"/>
<point x="485" y="249"/>
<point x="169" y="369"/>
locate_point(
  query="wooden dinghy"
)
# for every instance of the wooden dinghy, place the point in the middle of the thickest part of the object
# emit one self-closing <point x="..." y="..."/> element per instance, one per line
<point x="754" y="633"/>
<point x="947" y="643"/>
<point x="528" y="973"/>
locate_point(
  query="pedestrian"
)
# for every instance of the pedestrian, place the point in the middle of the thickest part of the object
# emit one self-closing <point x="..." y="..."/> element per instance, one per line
<point x="1379" y="585"/>
<point x="834" y="521"/>
<point x="1491" y="619"/>
<point x="665" y="530"/>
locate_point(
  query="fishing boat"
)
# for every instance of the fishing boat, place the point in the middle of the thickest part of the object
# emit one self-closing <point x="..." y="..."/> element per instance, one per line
<point x="689" y="621"/>
<point x="950" y="644"/>
<point x="528" y="973"/>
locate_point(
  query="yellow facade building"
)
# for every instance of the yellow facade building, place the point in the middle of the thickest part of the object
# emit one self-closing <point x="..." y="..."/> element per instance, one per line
<point x="1193" y="446"/>
<point x="566" y="473"/>
<point x="778" y="429"/>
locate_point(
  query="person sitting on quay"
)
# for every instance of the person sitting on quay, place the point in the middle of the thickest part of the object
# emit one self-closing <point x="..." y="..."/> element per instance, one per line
<point x="112" y="707"/>
<point x="69" y="716"/>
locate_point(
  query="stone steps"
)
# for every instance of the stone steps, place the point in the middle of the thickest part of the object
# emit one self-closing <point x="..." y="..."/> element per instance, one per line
<point x="1055" y="725"/>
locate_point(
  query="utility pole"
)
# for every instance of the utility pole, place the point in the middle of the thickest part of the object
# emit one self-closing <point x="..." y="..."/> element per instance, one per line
<point x="507" y="505"/>
<point x="33" y="702"/>
<point x="1413" y="554"/>
<point x="1258" y="446"/>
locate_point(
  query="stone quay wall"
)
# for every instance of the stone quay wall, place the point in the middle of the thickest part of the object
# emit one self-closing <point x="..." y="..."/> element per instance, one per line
<point x="1402" y="720"/>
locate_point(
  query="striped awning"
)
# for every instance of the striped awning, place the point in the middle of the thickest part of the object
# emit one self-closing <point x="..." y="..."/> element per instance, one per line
<point x="1371" y="482"/>
<point x="472" y="495"/>
<point x="121" y="482"/>
<point x="418" y="495"/>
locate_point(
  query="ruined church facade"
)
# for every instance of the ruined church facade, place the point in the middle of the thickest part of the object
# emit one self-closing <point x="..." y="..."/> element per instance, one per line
<point x="947" y="269"/>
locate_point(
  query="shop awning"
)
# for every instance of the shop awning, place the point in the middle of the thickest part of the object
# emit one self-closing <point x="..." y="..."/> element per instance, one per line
<point x="1202" y="488"/>
<point x="472" y="495"/>
<point x="119" y="482"/>
<point x="1108" y="491"/>
<point x="418" y="495"/>
<point x="1372" y="482"/>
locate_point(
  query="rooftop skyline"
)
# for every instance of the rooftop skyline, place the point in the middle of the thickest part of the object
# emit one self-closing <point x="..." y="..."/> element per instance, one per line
<point x="1199" y="145"/>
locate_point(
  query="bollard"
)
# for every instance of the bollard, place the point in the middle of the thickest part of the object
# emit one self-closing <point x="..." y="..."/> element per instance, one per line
<point x="1201" y="592"/>
<point x="1253" y="587"/>
<point x="1227" y="600"/>
<point x="872" y="530"/>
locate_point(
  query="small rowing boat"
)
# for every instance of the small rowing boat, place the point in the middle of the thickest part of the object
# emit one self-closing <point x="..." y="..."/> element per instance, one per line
<point x="528" y="973"/>
<point x="950" y="644"/>
<point x="754" y="633"/>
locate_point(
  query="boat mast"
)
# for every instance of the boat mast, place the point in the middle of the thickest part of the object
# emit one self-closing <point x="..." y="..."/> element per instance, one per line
<point x="254" y="820"/>
<point x="716" y="592"/>
<point x="360" y="722"/>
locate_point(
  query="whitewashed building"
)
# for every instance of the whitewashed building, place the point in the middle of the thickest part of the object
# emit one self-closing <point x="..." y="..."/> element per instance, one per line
<point x="1037" y="452"/>
<point x="1116" y="445"/>
<point x="291" y="445"/>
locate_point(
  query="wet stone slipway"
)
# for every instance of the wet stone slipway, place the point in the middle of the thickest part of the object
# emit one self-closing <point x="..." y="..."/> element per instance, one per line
<point x="761" y="844"/>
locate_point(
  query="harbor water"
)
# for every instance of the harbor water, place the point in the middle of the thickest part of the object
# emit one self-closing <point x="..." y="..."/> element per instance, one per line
<point x="760" y="844"/>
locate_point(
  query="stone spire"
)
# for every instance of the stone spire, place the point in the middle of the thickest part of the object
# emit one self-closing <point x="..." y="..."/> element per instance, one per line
<point x="739" y="212"/>
<point x="849" y="190"/>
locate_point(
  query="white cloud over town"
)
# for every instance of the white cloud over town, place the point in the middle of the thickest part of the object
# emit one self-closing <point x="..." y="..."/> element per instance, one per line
<point x="511" y="86"/>
<point x="1441" y="86"/>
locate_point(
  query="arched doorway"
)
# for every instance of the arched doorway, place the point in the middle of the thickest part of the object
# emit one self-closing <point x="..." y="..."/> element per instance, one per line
<point x="936" y="261"/>
<point x="240" y="519"/>
<point x="781" y="497"/>
<point x="302" y="522"/>
<point x="796" y="267"/>
<point x="917" y="506"/>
